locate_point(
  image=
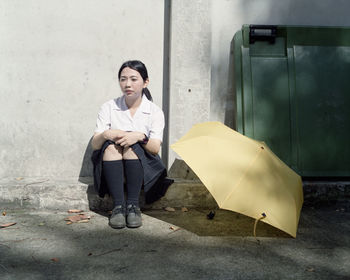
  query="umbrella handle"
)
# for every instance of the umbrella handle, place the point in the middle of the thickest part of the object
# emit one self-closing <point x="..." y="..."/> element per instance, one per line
<point x="263" y="216"/>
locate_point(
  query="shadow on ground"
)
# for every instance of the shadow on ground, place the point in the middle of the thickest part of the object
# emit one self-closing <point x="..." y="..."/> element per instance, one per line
<point x="42" y="246"/>
<point x="224" y="223"/>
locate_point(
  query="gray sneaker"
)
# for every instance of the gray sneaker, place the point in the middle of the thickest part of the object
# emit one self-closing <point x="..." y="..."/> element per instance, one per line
<point x="133" y="216"/>
<point x="117" y="219"/>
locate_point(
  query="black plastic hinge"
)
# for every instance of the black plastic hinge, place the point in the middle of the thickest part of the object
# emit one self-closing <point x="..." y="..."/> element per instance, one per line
<point x="262" y="33"/>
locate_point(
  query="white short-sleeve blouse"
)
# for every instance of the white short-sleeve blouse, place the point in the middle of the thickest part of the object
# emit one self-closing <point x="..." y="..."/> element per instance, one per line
<point x="115" y="114"/>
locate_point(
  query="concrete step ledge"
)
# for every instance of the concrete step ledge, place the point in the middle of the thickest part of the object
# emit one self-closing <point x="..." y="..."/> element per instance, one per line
<point x="49" y="193"/>
<point x="43" y="193"/>
<point x="316" y="192"/>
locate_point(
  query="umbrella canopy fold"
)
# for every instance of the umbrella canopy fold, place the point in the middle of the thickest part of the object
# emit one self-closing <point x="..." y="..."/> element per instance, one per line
<point x="243" y="175"/>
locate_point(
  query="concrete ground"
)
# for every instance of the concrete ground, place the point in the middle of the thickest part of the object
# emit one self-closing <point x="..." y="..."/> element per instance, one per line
<point x="174" y="245"/>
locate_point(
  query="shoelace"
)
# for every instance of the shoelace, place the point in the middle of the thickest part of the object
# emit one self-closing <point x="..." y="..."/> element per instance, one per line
<point x="117" y="210"/>
<point x="132" y="209"/>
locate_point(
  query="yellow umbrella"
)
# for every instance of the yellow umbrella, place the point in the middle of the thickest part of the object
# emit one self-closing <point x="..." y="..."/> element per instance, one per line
<point x="243" y="175"/>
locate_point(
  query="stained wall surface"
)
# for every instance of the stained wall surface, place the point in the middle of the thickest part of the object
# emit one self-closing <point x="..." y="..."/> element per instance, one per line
<point x="200" y="49"/>
<point x="59" y="64"/>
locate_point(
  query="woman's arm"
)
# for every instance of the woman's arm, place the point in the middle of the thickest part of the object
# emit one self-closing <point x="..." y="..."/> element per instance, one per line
<point x="130" y="138"/>
<point x="111" y="134"/>
<point x="153" y="146"/>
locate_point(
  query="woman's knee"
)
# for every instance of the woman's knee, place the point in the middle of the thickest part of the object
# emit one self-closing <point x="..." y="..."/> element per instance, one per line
<point x="128" y="153"/>
<point x="113" y="152"/>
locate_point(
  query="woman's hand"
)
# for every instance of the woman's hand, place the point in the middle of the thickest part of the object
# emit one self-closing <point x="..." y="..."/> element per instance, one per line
<point x="130" y="138"/>
<point x="110" y="134"/>
<point x="113" y="134"/>
<point x="125" y="139"/>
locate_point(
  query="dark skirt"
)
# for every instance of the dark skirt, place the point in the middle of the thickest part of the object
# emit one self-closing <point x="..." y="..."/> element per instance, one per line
<point x="155" y="182"/>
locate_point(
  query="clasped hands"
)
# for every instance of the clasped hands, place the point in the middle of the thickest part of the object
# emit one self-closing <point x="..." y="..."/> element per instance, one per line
<point x="123" y="138"/>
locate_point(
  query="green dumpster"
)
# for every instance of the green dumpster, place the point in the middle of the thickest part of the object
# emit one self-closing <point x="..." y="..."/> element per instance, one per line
<point x="292" y="90"/>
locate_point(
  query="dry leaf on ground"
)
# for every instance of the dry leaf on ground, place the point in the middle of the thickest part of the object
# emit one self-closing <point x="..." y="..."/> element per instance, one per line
<point x="83" y="221"/>
<point x="19" y="178"/>
<point x="169" y="209"/>
<point x="4" y="213"/>
<point x="310" y="269"/>
<point x="74" y="211"/>
<point x="81" y="218"/>
<point x="84" y="216"/>
<point x="184" y="209"/>
<point x="174" y="228"/>
<point x="7" y="225"/>
<point x="55" y="259"/>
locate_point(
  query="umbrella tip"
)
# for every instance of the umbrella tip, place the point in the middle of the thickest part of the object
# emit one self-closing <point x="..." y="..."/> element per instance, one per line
<point x="211" y="215"/>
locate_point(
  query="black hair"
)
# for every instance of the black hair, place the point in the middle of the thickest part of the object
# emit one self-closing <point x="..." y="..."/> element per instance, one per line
<point x="141" y="68"/>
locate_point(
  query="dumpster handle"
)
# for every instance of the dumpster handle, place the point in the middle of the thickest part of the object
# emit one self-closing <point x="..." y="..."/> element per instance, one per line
<point x="262" y="33"/>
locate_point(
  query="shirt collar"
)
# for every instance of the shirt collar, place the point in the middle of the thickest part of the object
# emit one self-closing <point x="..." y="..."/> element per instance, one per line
<point x="145" y="106"/>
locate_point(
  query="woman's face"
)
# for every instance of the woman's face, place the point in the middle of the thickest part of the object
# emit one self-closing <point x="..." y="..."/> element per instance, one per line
<point x="131" y="83"/>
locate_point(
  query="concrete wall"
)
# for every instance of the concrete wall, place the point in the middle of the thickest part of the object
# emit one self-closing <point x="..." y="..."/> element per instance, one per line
<point x="59" y="63"/>
<point x="193" y="22"/>
<point x="189" y="67"/>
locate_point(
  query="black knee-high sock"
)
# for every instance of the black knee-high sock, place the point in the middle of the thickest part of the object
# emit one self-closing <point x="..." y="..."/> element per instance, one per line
<point x="134" y="179"/>
<point x="113" y="171"/>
